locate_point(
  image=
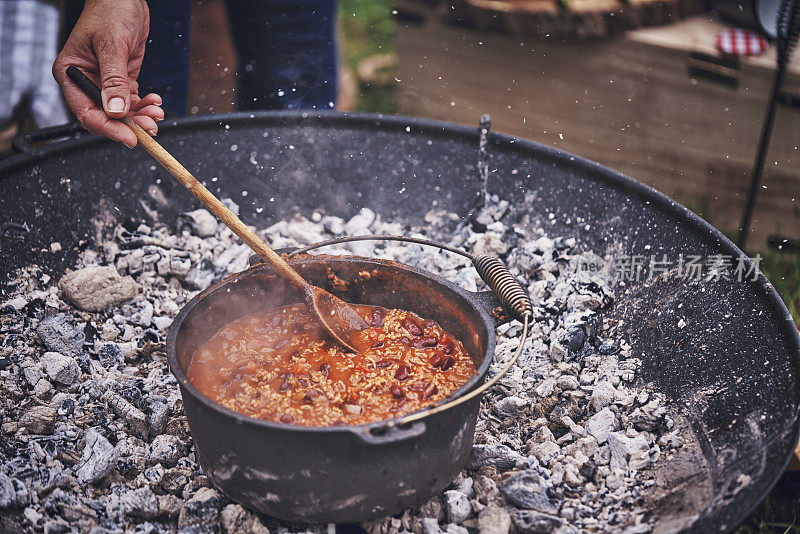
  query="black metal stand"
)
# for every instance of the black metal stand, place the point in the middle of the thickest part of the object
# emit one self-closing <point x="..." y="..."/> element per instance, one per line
<point x="788" y="29"/>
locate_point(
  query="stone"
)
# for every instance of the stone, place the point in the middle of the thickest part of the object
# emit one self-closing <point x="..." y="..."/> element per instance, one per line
<point x="601" y="424"/>
<point x="98" y="460"/>
<point x="140" y="503"/>
<point x="59" y="334"/>
<point x="199" y="222"/>
<point x="39" y="419"/>
<point x="13" y="493"/>
<point x="60" y="368"/>
<point x="603" y="395"/>
<point x="166" y="449"/>
<point x="96" y="288"/>
<point x="456" y="506"/>
<point x="532" y="522"/>
<point x="529" y="490"/>
<point x="494" y="520"/>
<point x="628" y="452"/>
<point x="500" y="456"/>
<point x="201" y="511"/>
<point x="236" y="520"/>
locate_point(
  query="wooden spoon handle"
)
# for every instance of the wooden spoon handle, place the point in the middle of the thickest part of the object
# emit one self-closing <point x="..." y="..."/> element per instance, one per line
<point x="195" y="187"/>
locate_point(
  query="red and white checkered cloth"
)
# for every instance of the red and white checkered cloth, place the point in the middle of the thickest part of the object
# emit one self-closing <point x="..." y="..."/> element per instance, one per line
<point x="741" y="42"/>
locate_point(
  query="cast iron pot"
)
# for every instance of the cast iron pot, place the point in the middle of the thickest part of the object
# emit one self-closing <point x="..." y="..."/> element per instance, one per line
<point x="342" y="473"/>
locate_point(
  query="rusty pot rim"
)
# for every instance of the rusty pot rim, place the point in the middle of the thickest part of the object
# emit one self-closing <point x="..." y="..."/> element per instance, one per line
<point x="180" y="375"/>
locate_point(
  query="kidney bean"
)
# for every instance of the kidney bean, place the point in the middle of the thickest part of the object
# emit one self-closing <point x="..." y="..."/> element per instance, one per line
<point x="324" y="369"/>
<point x="287" y="419"/>
<point x="377" y="317"/>
<point x="436" y="360"/>
<point x="412" y="327"/>
<point x="403" y="372"/>
<point x="448" y="363"/>
<point x="429" y="391"/>
<point x="285" y="385"/>
<point x="424" y="342"/>
<point x="313" y="395"/>
<point x="383" y="364"/>
<point x="397" y="391"/>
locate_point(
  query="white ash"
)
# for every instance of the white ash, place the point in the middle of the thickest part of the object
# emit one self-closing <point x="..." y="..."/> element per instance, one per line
<point x="94" y="431"/>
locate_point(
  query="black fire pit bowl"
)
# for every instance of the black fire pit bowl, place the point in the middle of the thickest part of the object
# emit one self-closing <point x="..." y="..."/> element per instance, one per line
<point x="343" y="473"/>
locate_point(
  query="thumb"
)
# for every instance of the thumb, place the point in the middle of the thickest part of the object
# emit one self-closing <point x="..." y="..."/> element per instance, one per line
<point x="114" y="86"/>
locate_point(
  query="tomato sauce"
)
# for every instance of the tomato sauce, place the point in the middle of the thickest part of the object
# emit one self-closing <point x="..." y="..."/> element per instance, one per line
<point x="280" y="366"/>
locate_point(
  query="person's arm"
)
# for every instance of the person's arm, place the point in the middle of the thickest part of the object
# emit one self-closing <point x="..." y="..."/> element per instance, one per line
<point x="107" y="44"/>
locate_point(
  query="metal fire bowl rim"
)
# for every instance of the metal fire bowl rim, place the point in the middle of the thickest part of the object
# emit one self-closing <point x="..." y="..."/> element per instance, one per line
<point x="600" y="174"/>
<point x="180" y="375"/>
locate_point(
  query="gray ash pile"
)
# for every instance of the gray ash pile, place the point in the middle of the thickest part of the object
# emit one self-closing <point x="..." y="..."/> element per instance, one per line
<point x="94" y="437"/>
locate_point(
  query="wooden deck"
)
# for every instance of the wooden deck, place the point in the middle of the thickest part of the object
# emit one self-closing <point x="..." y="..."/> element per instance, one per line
<point x="627" y="103"/>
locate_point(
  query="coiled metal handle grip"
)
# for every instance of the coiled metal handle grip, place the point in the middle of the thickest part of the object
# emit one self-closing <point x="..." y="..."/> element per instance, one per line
<point x="508" y="290"/>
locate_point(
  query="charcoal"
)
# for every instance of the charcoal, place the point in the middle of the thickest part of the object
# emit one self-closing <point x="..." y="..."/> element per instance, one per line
<point x="199" y="222"/>
<point x="13" y="493"/>
<point x="98" y="460"/>
<point x="499" y="456"/>
<point x="59" y="334"/>
<point x="60" y="368"/>
<point x="457" y="507"/>
<point x="549" y="452"/>
<point x="529" y="490"/>
<point x="135" y="419"/>
<point x="39" y="419"/>
<point x="494" y="519"/>
<point x="601" y="424"/>
<point x="167" y="449"/>
<point x="140" y="503"/>
<point x="201" y="511"/>
<point x="236" y="520"/>
<point x="533" y="522"/>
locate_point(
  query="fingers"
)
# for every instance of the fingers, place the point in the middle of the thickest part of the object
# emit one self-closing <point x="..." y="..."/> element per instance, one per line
<point x="149" y="100"/>
<point x="154" y="112"/>
<point x="147" y="123"/>
<point x="97" y="122"/>
<point x="112" y="58"/>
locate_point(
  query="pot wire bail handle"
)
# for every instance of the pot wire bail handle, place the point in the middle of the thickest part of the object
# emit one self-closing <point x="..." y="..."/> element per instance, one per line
<point x="496" y="275"/>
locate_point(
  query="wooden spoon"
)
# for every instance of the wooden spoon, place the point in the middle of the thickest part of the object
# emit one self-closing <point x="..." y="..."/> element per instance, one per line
<point x="339" y="320"/>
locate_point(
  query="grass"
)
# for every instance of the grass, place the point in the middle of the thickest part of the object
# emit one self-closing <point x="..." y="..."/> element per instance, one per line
<point x="783" y="270"/>
<point x="773" y="516"/>
<point x="367" y="29"/>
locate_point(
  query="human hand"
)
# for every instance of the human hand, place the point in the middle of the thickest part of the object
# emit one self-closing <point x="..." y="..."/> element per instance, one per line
<point x="107" y="44"/>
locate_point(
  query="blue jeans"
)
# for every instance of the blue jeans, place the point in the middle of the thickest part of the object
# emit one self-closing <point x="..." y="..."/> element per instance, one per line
<point x="287" y="52"/>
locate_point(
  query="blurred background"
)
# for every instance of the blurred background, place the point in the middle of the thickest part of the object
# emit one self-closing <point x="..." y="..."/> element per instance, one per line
<point x="670" y="92"/>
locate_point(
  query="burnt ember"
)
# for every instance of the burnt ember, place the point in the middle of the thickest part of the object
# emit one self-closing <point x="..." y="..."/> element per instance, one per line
<point x="93" y="429"/>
